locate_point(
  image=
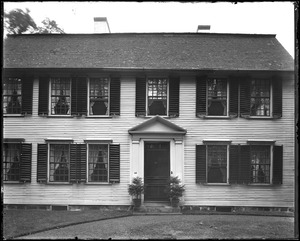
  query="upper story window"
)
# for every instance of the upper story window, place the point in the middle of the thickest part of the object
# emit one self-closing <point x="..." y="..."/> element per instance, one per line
<point x="157" y="96"/>
<point x="260" y="98"/>
<point x="260" y="163"/>
<point x="12" y="96"/>
<point x="99" y="96"/>
<point x="60" y="96"/>
<point x="59" y="162"/>
<point x="11" y="161"/>
<point x="98" y="162"/>
<point x="217" y="97"/>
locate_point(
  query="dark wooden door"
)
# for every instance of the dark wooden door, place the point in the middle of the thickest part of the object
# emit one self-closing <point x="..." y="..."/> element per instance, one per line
<point x="156" y="170"/>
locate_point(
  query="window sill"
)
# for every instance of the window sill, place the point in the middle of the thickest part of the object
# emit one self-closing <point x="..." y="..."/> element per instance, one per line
<point x="13" y="182"/>
<point x="216" y="117"/>
<point x="59" y="116"/>
<point x="99" y="117"/>
<point x="260" y="184"/>
<point x="260" y="117"/>
<point x="97" y="183"/>
<point x="216" y="184"/>
<point x="59" y="183"/>
<point x="14" y="115"/>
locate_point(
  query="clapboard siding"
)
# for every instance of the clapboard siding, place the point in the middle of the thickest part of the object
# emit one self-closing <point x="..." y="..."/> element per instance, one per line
<point x="35" y="129"/>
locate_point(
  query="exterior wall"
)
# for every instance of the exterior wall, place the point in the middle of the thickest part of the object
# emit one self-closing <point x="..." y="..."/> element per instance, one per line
<point x="35" y="129"/>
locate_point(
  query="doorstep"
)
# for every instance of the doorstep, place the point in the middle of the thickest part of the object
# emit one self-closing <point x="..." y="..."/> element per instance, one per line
<point x="156" y="208"/>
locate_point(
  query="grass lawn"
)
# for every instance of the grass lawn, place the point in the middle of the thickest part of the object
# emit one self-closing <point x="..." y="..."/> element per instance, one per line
<point x="19" y="222"/>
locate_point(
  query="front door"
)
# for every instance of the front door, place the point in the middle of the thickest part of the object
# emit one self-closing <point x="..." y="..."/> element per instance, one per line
<point x="156" y="170"/>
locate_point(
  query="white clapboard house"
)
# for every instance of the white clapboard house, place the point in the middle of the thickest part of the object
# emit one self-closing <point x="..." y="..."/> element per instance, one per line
<point x="85" y="113"/>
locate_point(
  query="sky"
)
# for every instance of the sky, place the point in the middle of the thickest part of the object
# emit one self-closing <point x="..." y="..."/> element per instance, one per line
<point x="123" y="17"/>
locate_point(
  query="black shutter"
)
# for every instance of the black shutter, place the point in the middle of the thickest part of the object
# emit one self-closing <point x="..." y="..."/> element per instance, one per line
<point x="233" y="163"/>
<point x="42" y="158"/>
<point x="115" y="95"/>
<point x="244" y="165"/>
<point x="174" y="96"/>
<point x="140" y="97"/>
<point x="277" y="164"/>
<point x="277" y="97"/>
<point x="43" y="95"/>
<point x="25" y="165"/>
<point x="27" y="90"/>
<point x="79" y="96"/>
<point x="245" y="97"/>
<point x="200" y="163"/>
<point x="201" y="97"/>
<point x="114" y="163"/>
<point x="233" y="97"/>
<point x="78" y="163"/>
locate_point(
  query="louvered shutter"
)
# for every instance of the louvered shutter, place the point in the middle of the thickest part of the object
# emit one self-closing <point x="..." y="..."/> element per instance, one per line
<point x="277" y="97"/>
<point x="233" y="163"/>
<point x="140" y="97"/>
<point x="245" y="98"/>
<point x="244" y="165"/>
<point x="201" y="97"/>
<point x="25" y="165"/>
<point x="174" y="83"/>
<point x="200" y="163"/>
<point x="79" y="96"/>
<point x="277" y="164"/>
<point x="27" y="90"/>
<point x="114" y="163"/>
<point x="78" y="163"/>
<point x="42" y="158"/>
<point x="115" y="96"/>
<point x="233" y="97"/>
<point x="43" y="95"/>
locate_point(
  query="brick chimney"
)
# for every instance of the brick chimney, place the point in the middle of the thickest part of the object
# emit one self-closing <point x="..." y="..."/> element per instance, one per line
<point x="101" y="25"/>
<point x="203" y="28"/>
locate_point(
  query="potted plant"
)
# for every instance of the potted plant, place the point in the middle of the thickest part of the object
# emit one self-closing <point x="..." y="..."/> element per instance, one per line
<point x="175" y="190"/>
<point x="135" y="190"/>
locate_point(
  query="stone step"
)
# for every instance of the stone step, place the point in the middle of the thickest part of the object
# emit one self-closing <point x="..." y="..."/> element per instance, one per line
<point x="156" y="208"/>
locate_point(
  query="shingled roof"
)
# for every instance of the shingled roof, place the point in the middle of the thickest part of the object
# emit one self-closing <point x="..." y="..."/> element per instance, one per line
<point x="161" y="51"/>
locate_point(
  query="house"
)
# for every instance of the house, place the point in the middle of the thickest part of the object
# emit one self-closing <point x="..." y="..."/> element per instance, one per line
<point x="85" y="113"/>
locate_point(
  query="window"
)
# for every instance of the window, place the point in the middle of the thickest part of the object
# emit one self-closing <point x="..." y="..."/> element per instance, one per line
<point x="99" y="96"/>
<point x="98" y="163"/>
<point x="260" y="98"/>
<point x="11" y="161"/>
<point x="60" y="96"/>
<point x="59" y="160"/>
<point x="12" y="96"/>
<point x="157" y="96"/>
<point x="260" y="164"/>
<point x="217" y="163"/>
<point x="217" y="97"/>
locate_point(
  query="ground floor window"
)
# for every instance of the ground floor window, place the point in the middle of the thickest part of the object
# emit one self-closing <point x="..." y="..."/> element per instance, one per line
<point x="11" y="161"/>
<point x="98" y="163"/>
<point x="217" y="163"/>
<point x="260" y="164"/>
<point x="59" y="159"/>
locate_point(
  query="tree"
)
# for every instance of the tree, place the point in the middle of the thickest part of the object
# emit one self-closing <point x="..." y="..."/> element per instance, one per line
<point x="17" y="22"/>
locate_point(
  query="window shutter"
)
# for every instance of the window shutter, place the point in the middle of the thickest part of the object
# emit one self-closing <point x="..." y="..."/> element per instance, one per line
<point x="114" y="163"/>
<point x="233" y="97"/>
<point x="43" y="95"/>
<point x="27" y="90"/>
<point x="245" y="98"/>
<point x="277" y="97"/>
<point x="200" y="163"/>
<point x="277" y="164"/>
<point x="244" y="165"/>
<point x="25" y="165"/>
<point x="78" y="163"/>
<point x="201" y="96"/>
<point x="174" y="96"/>
<point x="42" y="158"/>
<point x="79" y="96"/>
<point x="140" y="97"/>
<point x="233" y="163"/>
<point x="115" y="96"/>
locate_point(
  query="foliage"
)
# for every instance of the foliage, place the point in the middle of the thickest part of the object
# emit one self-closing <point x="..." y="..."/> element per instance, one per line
<point x="175" y="189"/>
<point x="136" y="188"/>
<point x="17" y="22"/>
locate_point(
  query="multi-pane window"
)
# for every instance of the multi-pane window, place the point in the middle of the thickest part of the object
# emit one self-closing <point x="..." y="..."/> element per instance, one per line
<point x="260" y="164"/>
<point x="12" y="96"/>
<point x="59" y="162"/>
<point x="11" y="161"/>
<point x="60" y="96"/>
<point x="217" y="97"/>
<point x="217" y="164"/>
<point x="157" y="96"/>
<point x="260" y="98"/>
<point x="99" y="96"/>
<point x="98" y="163"/>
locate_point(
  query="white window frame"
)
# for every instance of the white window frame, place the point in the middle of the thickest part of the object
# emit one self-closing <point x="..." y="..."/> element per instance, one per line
<point x="17" y="114"/>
